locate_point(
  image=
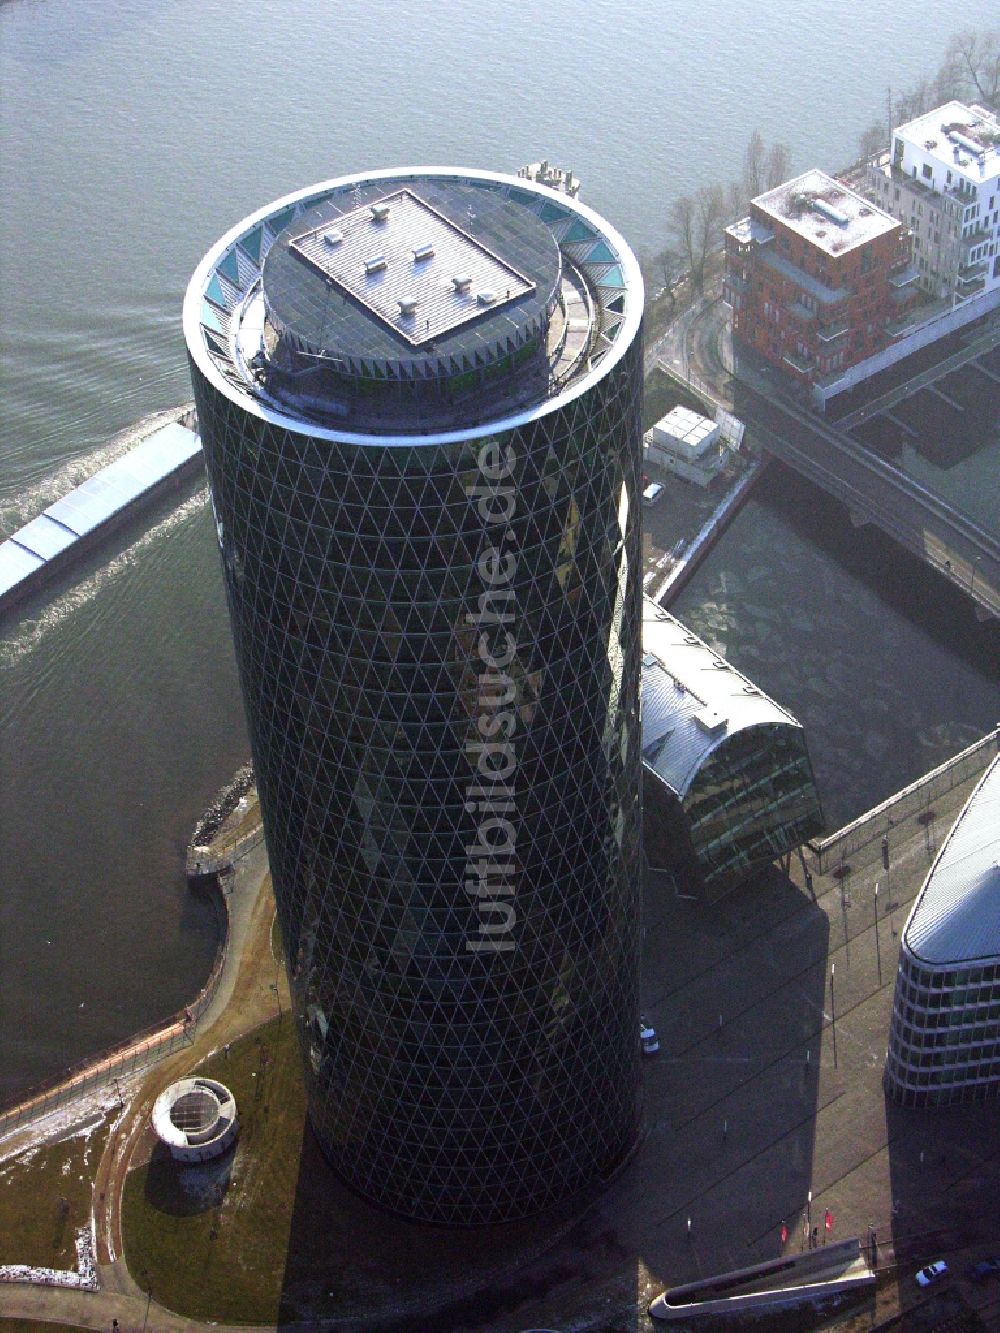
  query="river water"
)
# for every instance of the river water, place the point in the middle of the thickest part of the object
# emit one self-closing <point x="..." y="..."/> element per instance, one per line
<point x="136" y="132"/>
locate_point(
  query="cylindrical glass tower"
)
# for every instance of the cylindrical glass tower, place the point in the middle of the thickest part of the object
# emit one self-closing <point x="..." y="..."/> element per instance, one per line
<point x="419" y="396"/>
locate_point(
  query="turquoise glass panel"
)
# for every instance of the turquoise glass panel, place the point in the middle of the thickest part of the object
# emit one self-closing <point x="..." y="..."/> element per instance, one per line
<point x="230" y="268"/>
<point x="613" y="278"/>
<point x="601" y="254"/>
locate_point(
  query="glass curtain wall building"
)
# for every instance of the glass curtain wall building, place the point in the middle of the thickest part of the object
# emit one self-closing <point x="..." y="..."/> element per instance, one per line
<point x="944" y="1041"/>
<point x="729" y="784"/>
<point x="419" y="396"/>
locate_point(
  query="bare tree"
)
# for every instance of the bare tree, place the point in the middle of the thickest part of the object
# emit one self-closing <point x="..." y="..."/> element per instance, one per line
<point x="971" y="67"/>
<point x="753" y="166"/>
<point x="710" y="214"/>
<point x="873" y="142"/>
<point x="681" y="222"/>
<point x="776" y="165"/>
<point x="661" y="272"/>
<point x="737" y="200"/>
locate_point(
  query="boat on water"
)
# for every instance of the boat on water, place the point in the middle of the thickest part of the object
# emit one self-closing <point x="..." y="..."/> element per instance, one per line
<point x="78" y="521"/>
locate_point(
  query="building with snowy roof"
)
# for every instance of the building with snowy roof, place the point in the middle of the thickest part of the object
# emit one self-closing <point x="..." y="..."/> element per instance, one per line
<point x="944" y="1041"/>
<point x="687" y="443"/>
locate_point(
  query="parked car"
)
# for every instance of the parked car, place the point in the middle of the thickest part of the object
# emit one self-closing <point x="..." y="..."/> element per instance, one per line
<point x="932" y="1273"/>
<point x="983" y="1269"/>
<point x="652" y="493"/>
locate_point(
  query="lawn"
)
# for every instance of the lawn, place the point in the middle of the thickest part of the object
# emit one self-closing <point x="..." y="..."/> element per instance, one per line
<point x="212" y="1240"/>
<point x="270" y="1234"/>
<point x="46" y="1195"/>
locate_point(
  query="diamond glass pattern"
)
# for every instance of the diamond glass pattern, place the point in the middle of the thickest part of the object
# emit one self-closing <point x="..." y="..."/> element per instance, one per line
<point x="444" y="1083"/>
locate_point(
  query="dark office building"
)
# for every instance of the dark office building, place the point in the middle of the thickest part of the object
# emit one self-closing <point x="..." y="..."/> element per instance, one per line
<point x="419" y="396"/>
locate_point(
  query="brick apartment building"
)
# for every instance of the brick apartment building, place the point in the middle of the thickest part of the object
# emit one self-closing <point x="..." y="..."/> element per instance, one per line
<point x="818" y="277"/>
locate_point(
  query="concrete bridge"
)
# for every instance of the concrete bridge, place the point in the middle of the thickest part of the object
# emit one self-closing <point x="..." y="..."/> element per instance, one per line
<point x="874" y="491"/>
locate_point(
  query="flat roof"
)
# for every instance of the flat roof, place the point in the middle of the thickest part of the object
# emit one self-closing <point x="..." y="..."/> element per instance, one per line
<point x="825" y="212"/>
<point x="956" y="917"/>
<point x="340" y="298"/>
<point x="682" y="423"/>
<point x="693" y="700"/>
<point x="597" y="300"/>
<point x="411" y="266"/>
<point x="963" y="139"/>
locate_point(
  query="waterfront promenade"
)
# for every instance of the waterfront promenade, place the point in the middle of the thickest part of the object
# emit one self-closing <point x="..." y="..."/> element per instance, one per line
<point x="764" y="1106"/>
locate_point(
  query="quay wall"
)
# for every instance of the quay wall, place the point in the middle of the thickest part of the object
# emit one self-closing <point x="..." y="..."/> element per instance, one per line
<point x="152" y="1043"/>
<point x="864" y="834"/>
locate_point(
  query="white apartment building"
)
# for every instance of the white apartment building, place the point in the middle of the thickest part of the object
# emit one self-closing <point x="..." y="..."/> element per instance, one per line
<point x="941" y="178"/>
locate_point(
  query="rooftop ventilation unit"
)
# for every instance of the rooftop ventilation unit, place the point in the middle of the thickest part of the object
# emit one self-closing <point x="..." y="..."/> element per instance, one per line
<point x="832" y="214"/>
<point x="376" y="264"/>
<point x="968" y="144"/>
<point x="486" y="298"/>
<point x="423" y="252"/>
<point x="408" y="306"/>
<point x="710" y="720"/>
<point x="380" y="212"/>
<point x="332" y="237"/>
<point x="461" y="282"/>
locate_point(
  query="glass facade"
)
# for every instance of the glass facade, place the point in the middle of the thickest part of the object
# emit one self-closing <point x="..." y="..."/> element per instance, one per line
<point x="752" y="800"/>
<point x="438" y="644"/>
<point x="945" y="1038"/>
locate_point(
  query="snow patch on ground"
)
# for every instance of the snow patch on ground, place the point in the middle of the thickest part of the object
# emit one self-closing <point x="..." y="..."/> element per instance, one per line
<point x="83" y="1278"/>
<point x="76" y="1118"/>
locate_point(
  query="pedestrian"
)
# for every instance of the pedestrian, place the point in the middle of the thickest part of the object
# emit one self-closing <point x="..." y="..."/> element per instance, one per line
<point x="814" y="1242"/>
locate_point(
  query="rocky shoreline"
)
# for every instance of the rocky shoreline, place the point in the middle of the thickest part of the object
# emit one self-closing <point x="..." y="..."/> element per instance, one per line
<point x="222" y="807"/>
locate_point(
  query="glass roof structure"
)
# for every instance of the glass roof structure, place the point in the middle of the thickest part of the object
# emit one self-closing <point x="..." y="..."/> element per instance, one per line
<point x="693" y="700"/>
<point x="956" y="916"/>
<point x="944" y="1038"/>
<point x="731" y="785"/>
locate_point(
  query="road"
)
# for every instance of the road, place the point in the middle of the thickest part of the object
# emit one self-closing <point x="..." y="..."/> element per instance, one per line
<point x="875" y="492"/>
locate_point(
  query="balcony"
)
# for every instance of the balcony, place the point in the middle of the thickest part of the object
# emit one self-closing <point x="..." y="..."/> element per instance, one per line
<point x="801" y="312"/>
<point x="819" y="291"/>
<point x="970" y="285"/>
<point x="904" y="276"/>
<point x="803" y="364"/>
<point x="749" y="231"/>
<point x="829" y="333"/>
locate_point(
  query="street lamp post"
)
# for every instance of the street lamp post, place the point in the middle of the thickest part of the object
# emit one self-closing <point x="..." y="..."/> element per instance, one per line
<point x="833" y="1011"/>
<point x="149" y="1298"/>
<point x="878" y="951"/>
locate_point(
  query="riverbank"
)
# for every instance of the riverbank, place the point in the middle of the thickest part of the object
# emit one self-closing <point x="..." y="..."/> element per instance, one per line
<point x="742" y="1130"/>
<point x="224" y="815"/>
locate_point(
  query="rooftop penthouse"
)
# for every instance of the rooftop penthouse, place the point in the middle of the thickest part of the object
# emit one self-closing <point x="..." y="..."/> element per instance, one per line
<point x="963" y="140"/>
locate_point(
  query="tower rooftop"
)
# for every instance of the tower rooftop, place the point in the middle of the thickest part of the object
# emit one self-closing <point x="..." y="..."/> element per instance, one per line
<point x="413" y="303"/>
